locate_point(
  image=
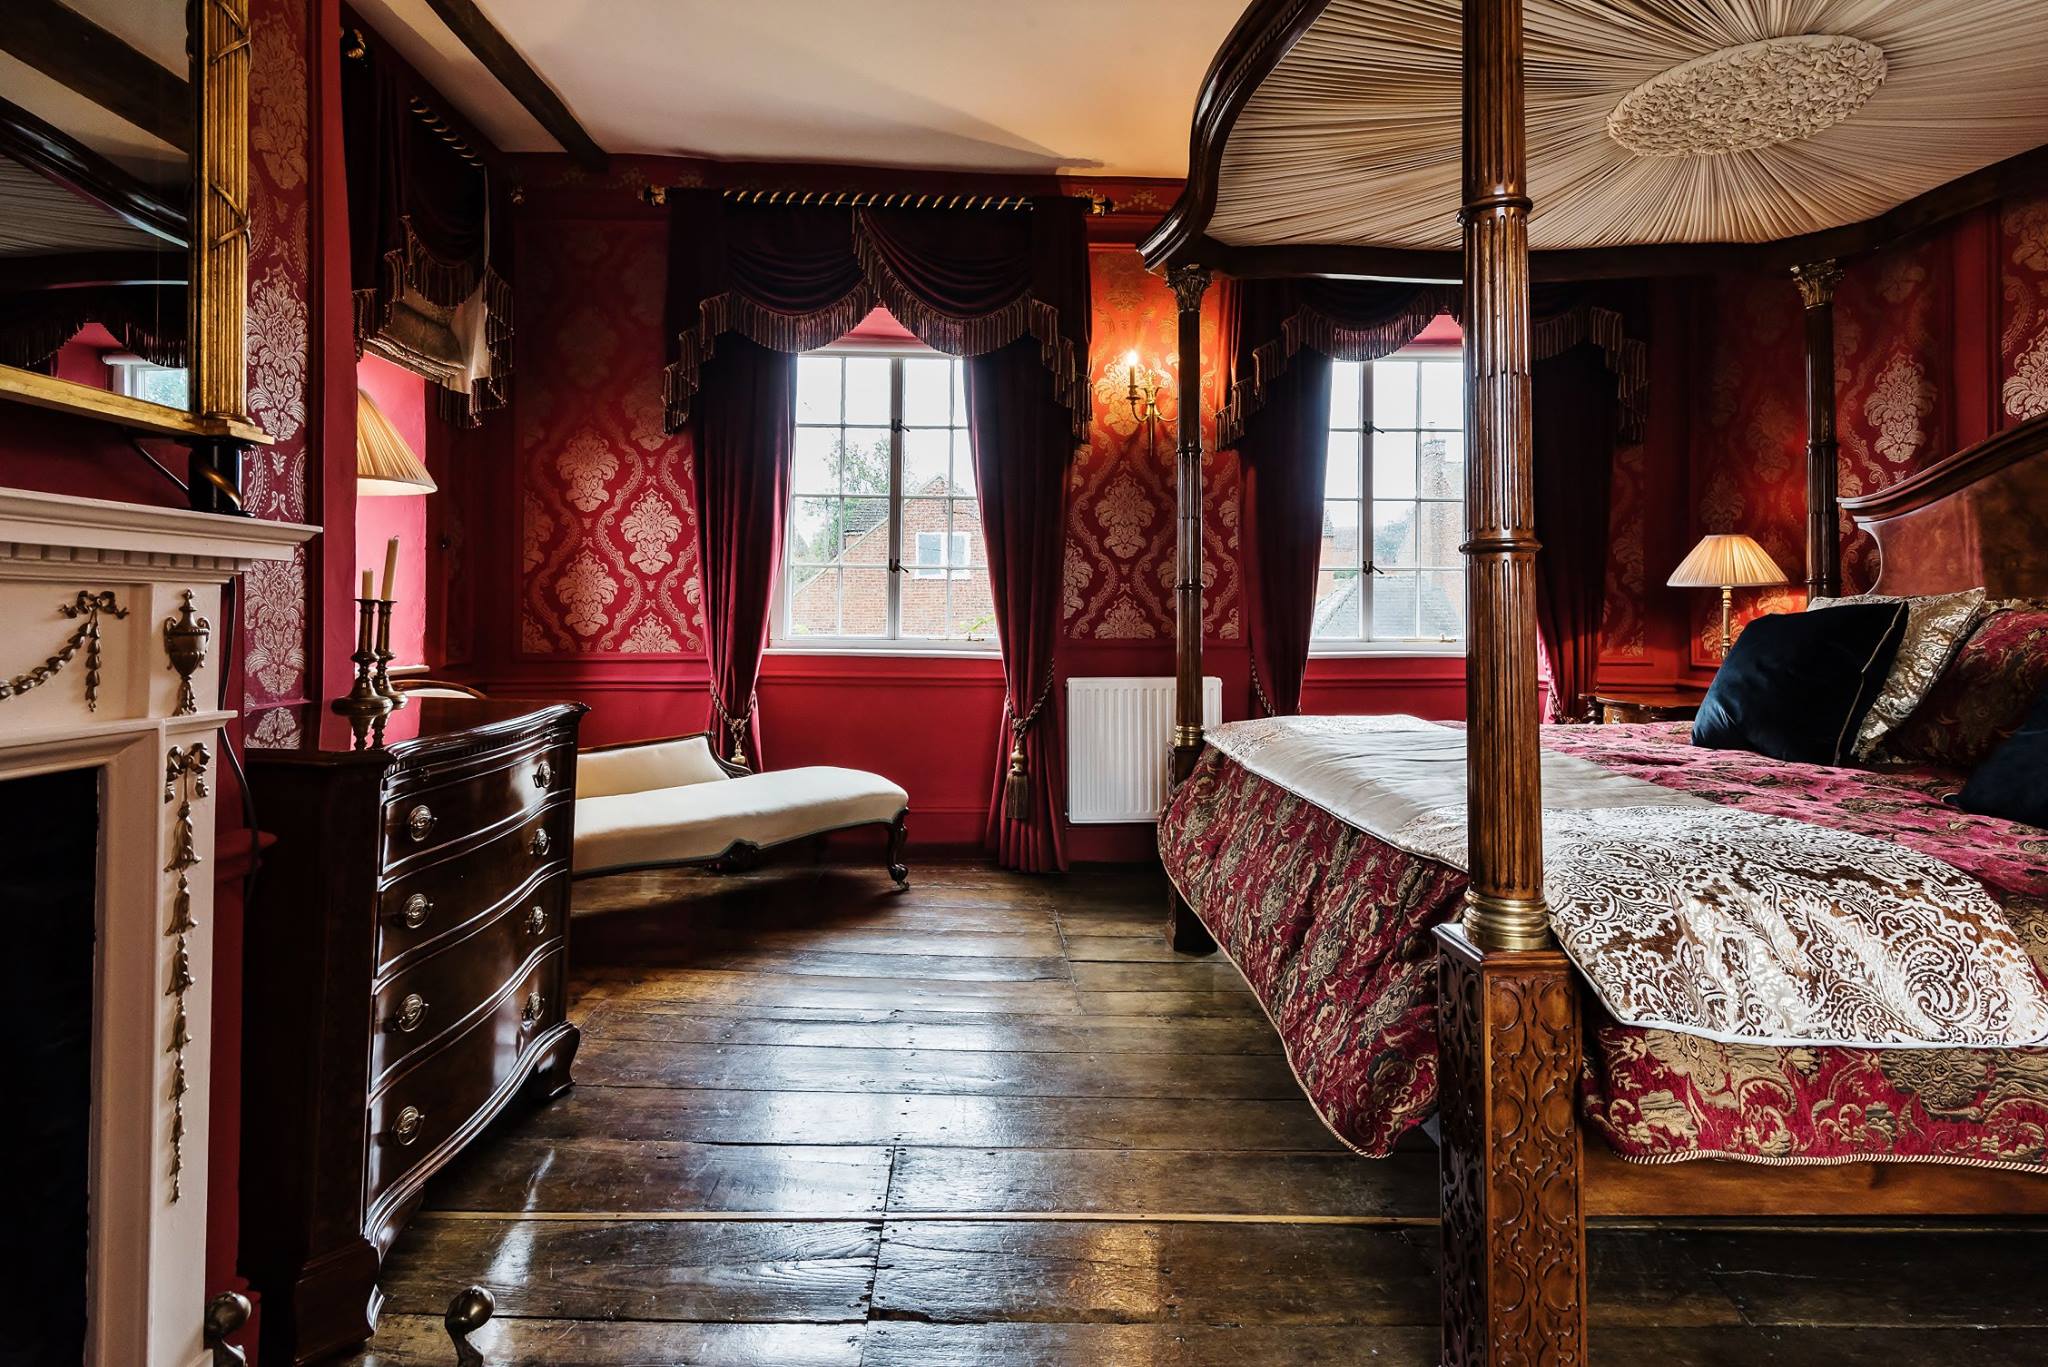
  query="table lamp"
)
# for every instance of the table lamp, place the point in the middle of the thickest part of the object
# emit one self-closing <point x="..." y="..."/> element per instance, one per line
<point x="1726" y="562"/>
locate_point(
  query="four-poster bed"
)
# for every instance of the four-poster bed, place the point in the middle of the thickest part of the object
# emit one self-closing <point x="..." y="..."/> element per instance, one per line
<point x="1320" y="147"/>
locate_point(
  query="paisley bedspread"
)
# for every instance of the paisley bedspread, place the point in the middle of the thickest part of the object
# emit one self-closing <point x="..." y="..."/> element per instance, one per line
<point x="1331" y="928"/>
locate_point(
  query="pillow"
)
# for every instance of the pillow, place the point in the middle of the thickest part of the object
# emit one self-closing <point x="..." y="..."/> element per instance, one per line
<point x="1982" y="697"/>
<point x="1936" y="626"/>
<point x="2013" y="782"/>
<point x="1796" y="685"/>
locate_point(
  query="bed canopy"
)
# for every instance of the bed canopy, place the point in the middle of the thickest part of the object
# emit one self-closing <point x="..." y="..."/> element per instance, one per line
<point x="1489" y="144"/>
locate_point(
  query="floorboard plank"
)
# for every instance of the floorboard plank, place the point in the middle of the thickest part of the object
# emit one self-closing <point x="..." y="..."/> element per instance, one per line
<point x="892" y="1344"/>
<point x="1164" y="1182"/>
<point x="634" y="985"/>
<point x="810" y="963"/>
<point x="759" y="1117"/>
<point x="701" y="1271"/>
<point x="520" y="1174"/>
<point x="422" y="1341"/>
<point x="889" y="1030"/>
<point x="613" y="1062"/>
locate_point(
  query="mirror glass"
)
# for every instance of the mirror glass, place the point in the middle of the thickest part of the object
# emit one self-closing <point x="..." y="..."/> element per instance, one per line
<point x="96" y="134"/>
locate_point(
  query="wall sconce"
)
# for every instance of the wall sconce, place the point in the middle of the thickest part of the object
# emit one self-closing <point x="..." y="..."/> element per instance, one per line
<point x="1142" y="391"/>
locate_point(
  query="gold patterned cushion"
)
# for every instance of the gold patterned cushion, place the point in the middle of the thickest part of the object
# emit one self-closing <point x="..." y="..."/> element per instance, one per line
<point x="1936" y="627"/>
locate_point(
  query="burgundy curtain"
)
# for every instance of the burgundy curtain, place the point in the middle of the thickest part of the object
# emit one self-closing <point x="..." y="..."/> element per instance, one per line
<point x="1006" y="289"/>
<point x="1023" y="440"/>
<point x="1574" y="420"/>
<point x="419" y="227"/>
<point x="1279" y="420"/>
<point x="1283" y="452"/>
<point x="744" y="429"/>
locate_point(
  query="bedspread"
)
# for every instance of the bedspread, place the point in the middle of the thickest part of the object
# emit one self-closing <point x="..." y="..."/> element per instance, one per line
<point x="1331" y="929"/>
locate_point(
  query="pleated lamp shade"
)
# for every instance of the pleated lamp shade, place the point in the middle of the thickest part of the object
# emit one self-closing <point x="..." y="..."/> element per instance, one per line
<point x="384" y="463"/>
<point x="1726" y="561"/>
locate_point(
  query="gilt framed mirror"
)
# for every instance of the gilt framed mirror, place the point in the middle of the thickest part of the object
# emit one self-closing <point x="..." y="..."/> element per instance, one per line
<point x="123" y="218"/>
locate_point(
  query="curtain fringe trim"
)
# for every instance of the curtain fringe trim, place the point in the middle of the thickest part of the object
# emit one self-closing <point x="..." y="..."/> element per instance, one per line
<point x="373" y="311"/>
<point x="31" y="344"/>
<point x="1627" y="357"/>
<point x="1308" y="326"/>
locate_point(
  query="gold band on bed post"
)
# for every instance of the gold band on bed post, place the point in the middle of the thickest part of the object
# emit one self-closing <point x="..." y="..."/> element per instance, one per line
<point x="1816" y="283"/>
<point x="1189" y="283"/>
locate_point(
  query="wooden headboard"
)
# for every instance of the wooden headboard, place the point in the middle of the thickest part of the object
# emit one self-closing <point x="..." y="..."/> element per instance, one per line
<point x="1980" y="517"/>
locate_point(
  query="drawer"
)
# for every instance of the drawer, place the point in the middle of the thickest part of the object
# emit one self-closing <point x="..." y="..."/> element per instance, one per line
<point x="420" y="820"/>
<point x="420" y="909"/>
<point x="432" y="1100"/>
<point x="441" y="994"/>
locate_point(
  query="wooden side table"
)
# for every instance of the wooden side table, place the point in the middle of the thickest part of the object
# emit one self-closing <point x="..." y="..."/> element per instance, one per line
<point x="1628" y="709"/>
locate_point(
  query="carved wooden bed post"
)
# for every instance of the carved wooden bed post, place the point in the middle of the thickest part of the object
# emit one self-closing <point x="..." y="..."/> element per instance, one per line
<point x="1816" y="284"/>
<point x="1514" y="1282"/>
<point x="1189" y="282"/>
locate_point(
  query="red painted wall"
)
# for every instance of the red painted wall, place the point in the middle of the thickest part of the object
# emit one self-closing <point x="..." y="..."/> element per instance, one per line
<point x="402" y="396"/>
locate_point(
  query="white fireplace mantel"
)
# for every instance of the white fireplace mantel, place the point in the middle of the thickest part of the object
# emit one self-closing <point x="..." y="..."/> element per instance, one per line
<point x="147" y="1289"/>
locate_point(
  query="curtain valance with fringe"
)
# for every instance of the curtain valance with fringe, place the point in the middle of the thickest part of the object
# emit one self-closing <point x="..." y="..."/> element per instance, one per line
<point x="427" y="295"/>
<point x="1363" y="320"/>
<point x="794" y="278"/>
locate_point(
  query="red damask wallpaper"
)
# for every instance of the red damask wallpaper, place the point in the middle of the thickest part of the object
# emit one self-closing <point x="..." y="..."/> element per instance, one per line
<point x="275" y="608"/>
<point x="2023" y="337"/>
<point x="1894" y="366"/>
<point x="1120" y="533"/>
<point x="1623" y="631"/>
<point x="608" y="500"/>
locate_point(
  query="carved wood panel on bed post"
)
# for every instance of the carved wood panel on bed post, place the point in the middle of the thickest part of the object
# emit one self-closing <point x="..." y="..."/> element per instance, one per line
<point x="1189" y="282"/>
<point x="1514" y="1284"/>
<point x="1816" y="284"/>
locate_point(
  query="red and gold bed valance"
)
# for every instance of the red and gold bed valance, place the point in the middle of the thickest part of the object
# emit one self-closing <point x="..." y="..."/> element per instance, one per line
<point x="794" y="278"/>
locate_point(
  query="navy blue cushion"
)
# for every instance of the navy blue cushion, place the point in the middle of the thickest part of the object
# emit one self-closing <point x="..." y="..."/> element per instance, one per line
<point x="1796" y="685"/>
<point x="2012" y="782"/>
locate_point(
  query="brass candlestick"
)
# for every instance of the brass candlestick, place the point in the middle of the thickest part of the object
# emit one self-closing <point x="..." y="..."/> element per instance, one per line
<point x="364" y="701"/>
<point x="382" y="680"/>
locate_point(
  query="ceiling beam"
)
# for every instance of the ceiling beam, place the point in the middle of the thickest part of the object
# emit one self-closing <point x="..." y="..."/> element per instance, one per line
<point x="77" y="53"/>
<point x="525" y="85"/>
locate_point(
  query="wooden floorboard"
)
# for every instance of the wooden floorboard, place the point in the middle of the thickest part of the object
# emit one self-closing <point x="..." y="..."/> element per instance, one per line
<point x="993" y="1122"/>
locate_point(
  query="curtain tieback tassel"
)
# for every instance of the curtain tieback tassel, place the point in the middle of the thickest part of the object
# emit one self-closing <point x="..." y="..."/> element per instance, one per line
<point x="1017" y="783"/>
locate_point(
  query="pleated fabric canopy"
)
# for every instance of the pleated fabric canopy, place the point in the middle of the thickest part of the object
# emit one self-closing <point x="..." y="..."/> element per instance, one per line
<point x="1649" y="121"/>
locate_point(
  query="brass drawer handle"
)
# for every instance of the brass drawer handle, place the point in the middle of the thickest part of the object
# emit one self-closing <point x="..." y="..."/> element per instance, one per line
<point x="537" y="920"/>
<point x="407" y="1130"/>
<point x="541" y="843"/>
<point x="543" y="775"/>
<point x="416" y="911"/>
<point x="411" y="1012"/>
<point x="419" y="822"/>
<point x="531" y="1014"/>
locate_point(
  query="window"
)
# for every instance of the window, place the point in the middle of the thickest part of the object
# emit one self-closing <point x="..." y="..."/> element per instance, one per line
<point x="884" y="540"/>
<point x="139" y="379"/>
<point x="1394" y="505"/>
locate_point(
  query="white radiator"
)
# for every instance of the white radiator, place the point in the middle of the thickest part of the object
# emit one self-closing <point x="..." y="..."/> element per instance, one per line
<point x="1118" y="734"/>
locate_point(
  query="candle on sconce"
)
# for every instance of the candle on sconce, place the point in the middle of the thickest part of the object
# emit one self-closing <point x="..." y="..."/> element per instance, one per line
<point x="1131" y="374"/>
<point x="390" y="567"/>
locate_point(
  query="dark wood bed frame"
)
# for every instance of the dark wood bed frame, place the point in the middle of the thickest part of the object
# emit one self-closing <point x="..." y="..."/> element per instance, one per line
<point x="1519" y="1176"/>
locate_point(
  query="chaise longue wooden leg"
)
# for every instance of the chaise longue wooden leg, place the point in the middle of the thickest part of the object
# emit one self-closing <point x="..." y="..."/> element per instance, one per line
<point x="898" y="870"/>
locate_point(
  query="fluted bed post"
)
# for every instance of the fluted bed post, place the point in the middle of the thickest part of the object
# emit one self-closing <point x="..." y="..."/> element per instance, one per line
<point x="1816" y="284"/>
<point x="1189" y="282"/>
<point x="1513" y="1228"/>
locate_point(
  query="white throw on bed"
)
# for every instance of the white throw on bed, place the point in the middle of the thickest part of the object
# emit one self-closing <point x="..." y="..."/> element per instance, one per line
<point x="1690" y="916"/>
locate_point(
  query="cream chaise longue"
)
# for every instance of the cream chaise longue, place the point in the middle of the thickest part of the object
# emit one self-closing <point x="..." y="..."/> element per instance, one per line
<point x="664" y="803"/>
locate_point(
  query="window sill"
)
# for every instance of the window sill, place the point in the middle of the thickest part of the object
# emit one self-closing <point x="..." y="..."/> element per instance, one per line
<point x="894" y="650"/>
<point x="1405" y="650"/>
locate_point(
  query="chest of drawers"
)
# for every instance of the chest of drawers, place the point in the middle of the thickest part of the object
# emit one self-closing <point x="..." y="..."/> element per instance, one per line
<point x="403" y="981"/>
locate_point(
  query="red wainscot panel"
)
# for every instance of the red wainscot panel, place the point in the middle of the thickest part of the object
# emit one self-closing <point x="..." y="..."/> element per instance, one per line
<point x="1430" y="686"/>
<point x="927" y="722"/>
<point x="629" y="699"/>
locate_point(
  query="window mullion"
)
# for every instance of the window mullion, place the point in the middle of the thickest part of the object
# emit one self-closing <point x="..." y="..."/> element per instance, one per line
<point x="894" y="624"/>
<point x="1366" y="433"/>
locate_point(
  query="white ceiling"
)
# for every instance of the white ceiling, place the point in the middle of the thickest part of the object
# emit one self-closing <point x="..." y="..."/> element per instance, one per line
<point x="987" y="85"/>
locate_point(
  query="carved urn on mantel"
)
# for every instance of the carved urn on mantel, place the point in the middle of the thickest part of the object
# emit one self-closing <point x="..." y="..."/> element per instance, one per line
<point x="109" y="664"/>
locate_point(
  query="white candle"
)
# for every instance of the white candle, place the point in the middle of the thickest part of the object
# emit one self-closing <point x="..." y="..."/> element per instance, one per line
<point x="390" y="566"/>
<point x="366" y="583"/>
